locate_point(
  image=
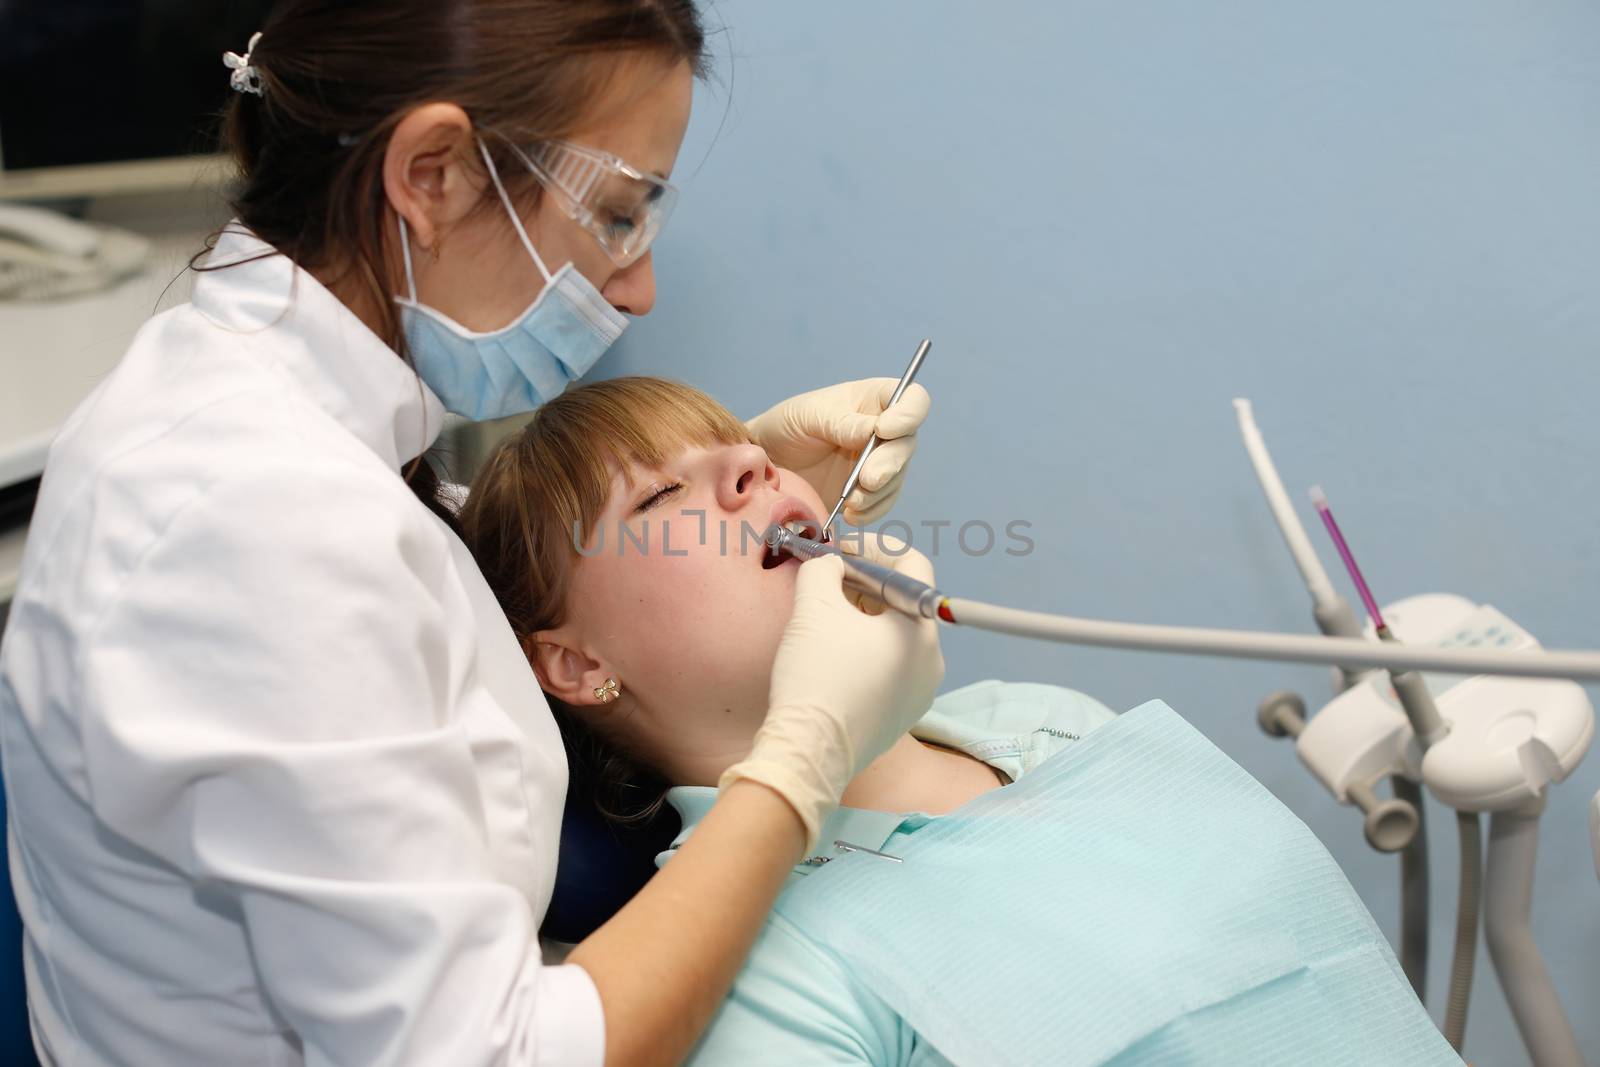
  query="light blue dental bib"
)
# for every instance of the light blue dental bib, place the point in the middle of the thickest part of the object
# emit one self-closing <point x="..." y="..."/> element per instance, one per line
<point x="1157" y="905"/>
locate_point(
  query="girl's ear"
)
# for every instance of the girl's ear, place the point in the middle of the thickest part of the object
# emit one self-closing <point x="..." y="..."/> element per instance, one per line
<point x="569" y="675"/>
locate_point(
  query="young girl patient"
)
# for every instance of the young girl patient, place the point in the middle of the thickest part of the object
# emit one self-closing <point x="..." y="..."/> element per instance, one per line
<point x="621" y="532"/>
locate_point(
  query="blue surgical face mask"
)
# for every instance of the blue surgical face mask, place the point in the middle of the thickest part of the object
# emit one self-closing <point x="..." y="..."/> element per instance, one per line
<point x="516" y="368"/>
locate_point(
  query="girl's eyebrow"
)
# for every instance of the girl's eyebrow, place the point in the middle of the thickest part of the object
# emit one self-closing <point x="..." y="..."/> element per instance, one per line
<point x="626" y="469"/>
<point x="618" y="494"/>
<point x="637" y="474"/>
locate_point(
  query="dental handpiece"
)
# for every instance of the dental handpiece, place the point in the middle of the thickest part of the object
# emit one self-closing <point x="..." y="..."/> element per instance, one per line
<point x="903" y="593"/>
<point x="872" y="443"/>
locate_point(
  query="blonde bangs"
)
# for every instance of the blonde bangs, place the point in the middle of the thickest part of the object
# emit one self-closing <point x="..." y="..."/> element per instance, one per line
<point x="540" y="494"/>
<point x="595" y="431"/>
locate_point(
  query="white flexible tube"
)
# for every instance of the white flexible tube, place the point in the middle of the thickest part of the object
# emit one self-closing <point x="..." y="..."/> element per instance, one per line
<point x="1469" y="907"/>
<point x="1507" y="907"/>
<point x="1305" y="557"/>
<point x="1251" y="644"/>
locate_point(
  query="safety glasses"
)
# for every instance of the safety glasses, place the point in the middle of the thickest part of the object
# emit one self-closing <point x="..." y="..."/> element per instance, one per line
<point x="620" y="205"/>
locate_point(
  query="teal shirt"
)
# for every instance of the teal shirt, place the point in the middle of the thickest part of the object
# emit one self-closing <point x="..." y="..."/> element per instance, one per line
<point x="794" y="1003"/>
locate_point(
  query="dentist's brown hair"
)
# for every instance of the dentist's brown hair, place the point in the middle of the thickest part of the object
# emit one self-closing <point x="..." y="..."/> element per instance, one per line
<point x="337" y="76"/>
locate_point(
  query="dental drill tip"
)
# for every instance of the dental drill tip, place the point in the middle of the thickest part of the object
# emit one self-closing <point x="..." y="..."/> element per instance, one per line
<point x="1319" y="498"/>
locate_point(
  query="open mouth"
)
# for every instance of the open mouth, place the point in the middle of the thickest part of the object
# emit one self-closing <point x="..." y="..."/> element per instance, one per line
<point x="797" y="520"/>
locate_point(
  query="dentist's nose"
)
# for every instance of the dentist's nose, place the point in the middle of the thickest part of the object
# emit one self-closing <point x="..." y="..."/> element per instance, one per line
<point x="633" y="289"/>
<point x="746" y="472"/>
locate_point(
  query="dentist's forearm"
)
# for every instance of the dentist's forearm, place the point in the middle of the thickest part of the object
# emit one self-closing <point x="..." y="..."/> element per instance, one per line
<point x="664" y="962"/>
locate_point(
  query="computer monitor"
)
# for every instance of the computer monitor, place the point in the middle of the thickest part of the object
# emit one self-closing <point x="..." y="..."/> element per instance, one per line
<point x="111" y="96"/>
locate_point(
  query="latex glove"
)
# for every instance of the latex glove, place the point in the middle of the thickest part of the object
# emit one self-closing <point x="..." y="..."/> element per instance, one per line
<point x="845" y="686"/>
<point x="819" y="435"/>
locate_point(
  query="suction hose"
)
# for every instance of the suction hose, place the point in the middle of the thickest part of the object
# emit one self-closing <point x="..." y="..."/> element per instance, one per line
<point x="1467" y="909"/>
<point x="1414" y="892"/>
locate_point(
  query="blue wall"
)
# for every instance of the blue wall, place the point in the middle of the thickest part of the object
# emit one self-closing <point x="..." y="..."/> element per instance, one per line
<point x="1377" y="220"/>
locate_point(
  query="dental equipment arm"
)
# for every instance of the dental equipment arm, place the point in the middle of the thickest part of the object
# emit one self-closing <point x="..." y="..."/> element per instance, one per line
<point x="1400" y="824"/>
<point x="1428" y="728"/>
<point x="1468" y="772"/>
<point x="1408" y="685"/>
<point x="1249" y="644"/>
<point x="1594" y="831"/>
<point x="1331" y="611"/>
<point x="1507" y="907"/>
<point x="917" y="599"/>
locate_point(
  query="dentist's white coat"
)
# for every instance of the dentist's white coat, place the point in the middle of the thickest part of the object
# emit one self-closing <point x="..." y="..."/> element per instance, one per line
<point x="282" y="787"/>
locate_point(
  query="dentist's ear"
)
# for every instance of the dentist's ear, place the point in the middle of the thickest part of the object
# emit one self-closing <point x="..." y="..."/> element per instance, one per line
<point x="564" y="672"/>
<point x="430" y="170"/>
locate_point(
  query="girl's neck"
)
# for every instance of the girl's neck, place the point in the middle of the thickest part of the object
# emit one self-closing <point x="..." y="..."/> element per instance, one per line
<point x="913" y="776"/>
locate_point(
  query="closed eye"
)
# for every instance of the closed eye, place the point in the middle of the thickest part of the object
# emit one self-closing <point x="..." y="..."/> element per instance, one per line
<point x="658" y="497"/>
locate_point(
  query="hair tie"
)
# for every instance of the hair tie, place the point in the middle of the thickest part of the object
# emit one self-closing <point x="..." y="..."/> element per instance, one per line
<point x="245" y="78"/>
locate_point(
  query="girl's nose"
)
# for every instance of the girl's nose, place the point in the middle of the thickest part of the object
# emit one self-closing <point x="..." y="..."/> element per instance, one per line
<point x="746" y="472"/>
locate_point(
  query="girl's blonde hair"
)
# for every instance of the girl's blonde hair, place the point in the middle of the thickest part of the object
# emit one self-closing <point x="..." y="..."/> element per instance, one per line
<point x="539" y="497"/>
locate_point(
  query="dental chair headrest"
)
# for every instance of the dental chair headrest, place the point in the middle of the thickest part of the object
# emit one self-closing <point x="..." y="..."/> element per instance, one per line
<point x="602" y="866"/>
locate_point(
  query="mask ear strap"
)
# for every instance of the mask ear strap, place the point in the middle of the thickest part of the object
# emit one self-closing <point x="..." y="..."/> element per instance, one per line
<point x="516" y="220"/>
<point x="405" y="253"/>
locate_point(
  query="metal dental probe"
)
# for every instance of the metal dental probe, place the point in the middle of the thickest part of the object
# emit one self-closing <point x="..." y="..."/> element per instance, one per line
<point x="855" y="472"/>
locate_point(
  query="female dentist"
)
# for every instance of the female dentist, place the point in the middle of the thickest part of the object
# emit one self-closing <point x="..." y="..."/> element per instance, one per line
<point x="282" y="786"/>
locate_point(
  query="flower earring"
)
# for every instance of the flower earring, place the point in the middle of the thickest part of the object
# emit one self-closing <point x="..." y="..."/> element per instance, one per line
<point x="605" y="694"/>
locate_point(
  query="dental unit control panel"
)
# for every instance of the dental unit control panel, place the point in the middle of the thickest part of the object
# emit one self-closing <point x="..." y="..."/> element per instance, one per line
<point x="1508" y="738"/>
